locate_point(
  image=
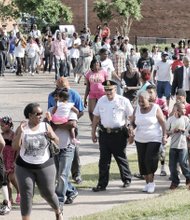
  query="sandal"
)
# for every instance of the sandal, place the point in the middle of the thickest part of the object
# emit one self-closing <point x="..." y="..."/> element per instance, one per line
<point x="59" y="216"/>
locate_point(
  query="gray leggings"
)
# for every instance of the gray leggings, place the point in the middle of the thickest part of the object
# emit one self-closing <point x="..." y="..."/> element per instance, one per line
<point x="44" y="179"/>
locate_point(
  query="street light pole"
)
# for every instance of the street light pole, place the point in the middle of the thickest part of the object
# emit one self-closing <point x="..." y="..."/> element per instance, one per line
<point x="86" y="13"/>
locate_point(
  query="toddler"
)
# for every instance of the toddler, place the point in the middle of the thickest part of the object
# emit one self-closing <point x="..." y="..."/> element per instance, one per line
<point x="9" y="155"/>
<point x="177" y="126"/>
<point x="62" y="111"/>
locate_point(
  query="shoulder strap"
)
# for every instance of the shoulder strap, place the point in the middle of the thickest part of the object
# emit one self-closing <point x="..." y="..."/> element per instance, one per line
<point x="46" y="126"/>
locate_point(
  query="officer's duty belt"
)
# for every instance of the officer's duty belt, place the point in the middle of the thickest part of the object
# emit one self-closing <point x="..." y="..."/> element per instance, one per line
<point x="110" y="130"/>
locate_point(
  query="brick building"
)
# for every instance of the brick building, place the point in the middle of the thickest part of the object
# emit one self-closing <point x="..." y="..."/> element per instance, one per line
<point x="160" y="18"/>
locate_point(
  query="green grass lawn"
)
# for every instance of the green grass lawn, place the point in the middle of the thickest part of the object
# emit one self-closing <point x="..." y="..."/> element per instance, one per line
<point x="170" y="206"/>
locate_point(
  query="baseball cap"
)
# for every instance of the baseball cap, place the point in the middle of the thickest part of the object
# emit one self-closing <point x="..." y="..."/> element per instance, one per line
<point x="164" y="53"/>
<point x="126" y="38"/>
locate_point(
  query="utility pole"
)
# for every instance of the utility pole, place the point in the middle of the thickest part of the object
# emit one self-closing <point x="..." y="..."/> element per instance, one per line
<point x="86" y="13"/>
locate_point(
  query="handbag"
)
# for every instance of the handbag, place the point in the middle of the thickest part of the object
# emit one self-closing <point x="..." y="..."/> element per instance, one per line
<point x="53" y="147"/>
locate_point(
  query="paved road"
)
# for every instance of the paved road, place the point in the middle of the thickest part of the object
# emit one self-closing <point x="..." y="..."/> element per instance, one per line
<point x="15" y="93"/>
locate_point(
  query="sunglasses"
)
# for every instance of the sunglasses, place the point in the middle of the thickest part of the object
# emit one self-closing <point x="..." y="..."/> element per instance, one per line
<point x="38" y="113"/>
<point x="108" y="90"/>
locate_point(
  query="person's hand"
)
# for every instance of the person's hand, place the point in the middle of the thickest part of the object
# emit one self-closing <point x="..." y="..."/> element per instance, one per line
<point x="164" y="140"/>
<point x="94" y="138"/>
<point x="22" y="125"/>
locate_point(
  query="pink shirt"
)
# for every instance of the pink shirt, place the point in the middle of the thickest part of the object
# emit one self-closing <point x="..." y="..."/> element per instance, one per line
<point x="96" y="79"/>
<point x="59" y="49"/>
<point x="163" y="105"/>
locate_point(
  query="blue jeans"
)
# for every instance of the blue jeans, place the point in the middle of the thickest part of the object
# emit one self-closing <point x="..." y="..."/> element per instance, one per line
<point x="181" y="156"/>
<point x="64" y="187"/>
<point x="60" y="68"/>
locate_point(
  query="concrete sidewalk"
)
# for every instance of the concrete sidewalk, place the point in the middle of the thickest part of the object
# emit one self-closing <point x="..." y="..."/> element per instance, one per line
<point x="15" y="93"/>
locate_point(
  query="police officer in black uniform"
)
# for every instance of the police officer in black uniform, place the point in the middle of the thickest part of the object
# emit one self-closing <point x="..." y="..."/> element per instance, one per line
<point x="111" y="114"/>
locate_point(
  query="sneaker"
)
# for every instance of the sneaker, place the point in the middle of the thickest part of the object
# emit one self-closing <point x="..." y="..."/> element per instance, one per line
<point x="188" y="184"/>
<point x="70" y="199"/>
<point x="151" y="187"/>
<point x="173" y="186"/>
<point x="145" y="189"/>
<point x="4" y="208"/>
<point x="139" y="176"/>
<point x="163" y="173"/>
<point x="98" y="188"/>
<point x="127" y="183"/>
<point x="32" y="74"/>
<point x="18" y="199"/>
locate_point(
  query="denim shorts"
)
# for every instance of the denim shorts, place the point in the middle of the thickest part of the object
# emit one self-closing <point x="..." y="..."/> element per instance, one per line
<point x="163" y="89"/>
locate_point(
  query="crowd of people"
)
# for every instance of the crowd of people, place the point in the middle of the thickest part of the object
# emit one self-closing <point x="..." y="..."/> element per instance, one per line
<point x="128" y="94"/>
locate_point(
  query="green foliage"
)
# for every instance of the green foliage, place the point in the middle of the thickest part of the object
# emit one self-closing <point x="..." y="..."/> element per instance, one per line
<point x="50" y="11"/>
<point x="8" y="11"/>
<point x="122" y="11"/>
<point x="103" y="10"/>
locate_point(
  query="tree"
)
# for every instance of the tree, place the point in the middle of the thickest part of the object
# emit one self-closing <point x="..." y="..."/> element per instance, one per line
<point x="50" y="11"/>
<point x="7" y="11"/>
<point x="123" y="12"/>
<point x="103" y="11"/>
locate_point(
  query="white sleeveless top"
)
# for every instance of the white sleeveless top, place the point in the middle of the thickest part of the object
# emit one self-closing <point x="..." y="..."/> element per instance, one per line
<point x="148" y="128"/>
<point x="34" y="148"/>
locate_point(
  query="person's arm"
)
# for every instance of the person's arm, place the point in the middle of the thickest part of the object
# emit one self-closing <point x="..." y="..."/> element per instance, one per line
<point x="95" y="122"/>
<point x="154" y="75"/>
<point x="175" y="82"/>
<point x="87" y="90"/>
<point x="131" y="127"/>
<point x="74" y="109"/>
<point x="17" y="140"/>
<point x="115" y="76"/>
<point x="2" y="143"/>
<point x="54" y="110"/>
<point x="162" y="123"/>
<point x="17" y="42"/>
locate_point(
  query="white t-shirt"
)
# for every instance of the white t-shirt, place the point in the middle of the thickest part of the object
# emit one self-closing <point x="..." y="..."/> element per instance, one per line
<point x="178" y="139"/>
<point x="163" y="71"/>
<point x="35" y="33"/>
<point x="107" y="65"/>
<point x="74" y="52"/>
<point x="32" y="50"/>
<point x="34" y="148"/>
<point x="64" y="109"/>
<point x="19" y="51"/>
<point x="113" y="113"/>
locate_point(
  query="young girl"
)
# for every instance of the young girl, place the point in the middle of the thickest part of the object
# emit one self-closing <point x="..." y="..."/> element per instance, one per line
<point x="5" y="207"/>
<point x="177" y="128"/>
<point x="60" y="114"/>
<point x="9" y="156"/>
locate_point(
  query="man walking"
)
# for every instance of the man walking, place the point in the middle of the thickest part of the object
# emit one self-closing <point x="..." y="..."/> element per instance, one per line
<point x="112" y="112"/>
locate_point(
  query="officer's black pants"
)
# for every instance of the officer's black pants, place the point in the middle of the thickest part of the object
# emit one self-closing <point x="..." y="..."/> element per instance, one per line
<point x="113" y="144"/>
